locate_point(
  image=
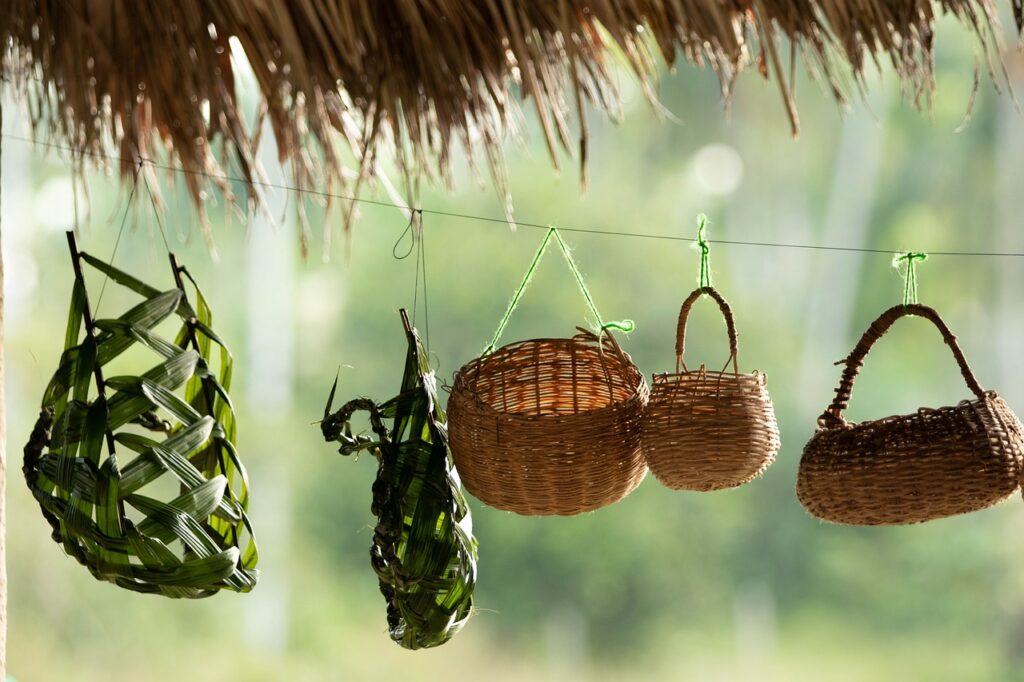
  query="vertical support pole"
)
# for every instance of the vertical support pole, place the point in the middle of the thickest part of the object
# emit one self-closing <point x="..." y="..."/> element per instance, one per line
<point x="3" y="458"/>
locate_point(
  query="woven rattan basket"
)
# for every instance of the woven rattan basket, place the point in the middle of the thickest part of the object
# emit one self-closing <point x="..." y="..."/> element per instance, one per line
<point x="708" y="430"/>
<point x="549" y="426"/>
<point x="916" y="467"/>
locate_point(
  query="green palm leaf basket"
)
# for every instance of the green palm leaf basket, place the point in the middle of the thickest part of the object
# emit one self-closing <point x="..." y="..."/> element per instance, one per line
<point x="423" y="551"/>
<point x="105" y="445"/>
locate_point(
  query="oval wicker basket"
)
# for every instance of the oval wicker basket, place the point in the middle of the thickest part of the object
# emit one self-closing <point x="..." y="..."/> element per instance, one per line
<point x="708" y="430"/>
<point x="549" y="426"/>
<point x="916" y="467"/>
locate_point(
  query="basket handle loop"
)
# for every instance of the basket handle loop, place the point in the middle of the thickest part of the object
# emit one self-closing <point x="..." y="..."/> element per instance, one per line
<point x="833" y="416"/>
<point x="625" y="326"/>
<point x="730" y="325"/>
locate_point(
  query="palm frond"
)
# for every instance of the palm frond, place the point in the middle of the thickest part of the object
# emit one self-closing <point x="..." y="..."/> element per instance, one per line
<point x="191" y="546"/>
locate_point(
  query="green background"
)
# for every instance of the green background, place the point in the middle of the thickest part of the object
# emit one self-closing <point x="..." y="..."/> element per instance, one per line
<point x="728" y="585"/>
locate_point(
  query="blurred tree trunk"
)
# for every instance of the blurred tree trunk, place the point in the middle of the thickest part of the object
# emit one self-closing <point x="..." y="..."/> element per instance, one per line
<point x="832" y="295"/>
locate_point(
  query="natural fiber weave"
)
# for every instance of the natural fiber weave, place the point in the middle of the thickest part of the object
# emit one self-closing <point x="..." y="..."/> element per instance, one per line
<point x="708" y="430"/>
<point x="342" y="83"/>
<point x="549" y="426"/>
<point x="423" y="551"/>
<point x="101" y="507"/>
<point x="916" y="467"/>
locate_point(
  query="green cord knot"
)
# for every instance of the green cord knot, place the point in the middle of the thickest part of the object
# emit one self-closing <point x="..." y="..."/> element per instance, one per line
<point x="910" y="275"/>
<point x="624" y="326"/>
<point x="704" y="279"/>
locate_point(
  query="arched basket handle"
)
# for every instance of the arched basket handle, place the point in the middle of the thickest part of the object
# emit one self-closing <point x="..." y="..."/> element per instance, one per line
<point x="730" y="325"/>
<point x="833" y="416"/>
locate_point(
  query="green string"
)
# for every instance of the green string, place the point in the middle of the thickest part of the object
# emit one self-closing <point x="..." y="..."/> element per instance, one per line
<point x="705" y="250"/>
<point x="910" y="276"/>
<point x="625" y="326"/>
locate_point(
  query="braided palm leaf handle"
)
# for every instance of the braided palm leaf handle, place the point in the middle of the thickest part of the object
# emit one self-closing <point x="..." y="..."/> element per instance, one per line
<point x="833" y="416"/>
<point x="730" y="325"/>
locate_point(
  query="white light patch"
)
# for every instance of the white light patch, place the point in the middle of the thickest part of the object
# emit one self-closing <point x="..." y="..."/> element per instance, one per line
<point x="717" y="169"/>
<point x="54" y="205"/>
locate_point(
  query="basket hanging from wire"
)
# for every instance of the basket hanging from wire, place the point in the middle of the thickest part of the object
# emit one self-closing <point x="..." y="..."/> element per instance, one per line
<point x="708" y="430"/>
<point x="423" y="551"/>
<point x="94" y="460"/>
<point x="550" y="426"/>
<point x="915" y="467"/>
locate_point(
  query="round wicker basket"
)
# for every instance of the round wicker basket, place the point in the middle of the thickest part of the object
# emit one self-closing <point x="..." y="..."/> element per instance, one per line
<point x="708" y="430"/>
<point x="549" y="426"/>
<point x="916" y="467"/>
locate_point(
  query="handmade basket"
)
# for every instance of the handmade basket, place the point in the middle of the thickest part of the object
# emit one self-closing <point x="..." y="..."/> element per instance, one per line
<point x="138" y="475"/>
<point x="708" y="430"/>
<point x="423" y="551"/>
<point x="916" y="467"/>
<point x="549" y="426"/>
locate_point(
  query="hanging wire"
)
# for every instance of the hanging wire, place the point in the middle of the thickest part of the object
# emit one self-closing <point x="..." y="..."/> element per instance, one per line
<point x="410" y="232"/>
<point x="414" y="232"/>
<point x="157" y="214"/>
<point x="120" y="231"/>
<point x="422" y="267"/>
<point x="492" y="219"/>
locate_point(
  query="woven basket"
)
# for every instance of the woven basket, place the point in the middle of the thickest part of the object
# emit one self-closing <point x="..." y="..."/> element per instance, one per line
<point x="549" y="426"/>
<point x="708" y="430"/>
<point x="423" y="552"/>
<point x="916" y="467"/>
<point x="138" y="475"/>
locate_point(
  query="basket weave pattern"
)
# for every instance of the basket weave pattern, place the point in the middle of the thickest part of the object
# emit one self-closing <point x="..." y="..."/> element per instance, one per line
<point x="549" y="426"/>
<point x="709" y="430"/>
<point x="171" y="428"/>
<point x="911" y="468"/>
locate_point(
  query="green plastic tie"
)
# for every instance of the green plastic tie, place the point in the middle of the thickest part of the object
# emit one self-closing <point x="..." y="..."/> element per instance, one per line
<point x="704" y="280"/>
<point x="910" y="274"/>
<point x="625" y="326"/>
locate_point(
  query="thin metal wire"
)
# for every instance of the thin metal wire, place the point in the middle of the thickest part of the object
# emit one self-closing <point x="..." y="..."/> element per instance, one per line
<point x="156" y="213"/>
<point x="426" y="303"/>
<point x="120" y="231"/>
<point x="416" y="240"/>
<point x="493" y="219"/>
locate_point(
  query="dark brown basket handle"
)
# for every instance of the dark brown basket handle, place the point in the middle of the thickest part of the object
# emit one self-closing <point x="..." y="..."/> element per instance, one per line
<point x="833" y="416"/>
<point x="730" y="325"/>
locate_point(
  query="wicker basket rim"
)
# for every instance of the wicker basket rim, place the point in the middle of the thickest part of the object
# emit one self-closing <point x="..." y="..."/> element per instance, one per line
<point x="465" y="388"/>
<point x="614" y="352"/>
<point x="578" y="339"/>
<point x="722" y="374"/>
<point x="990" y="396"/>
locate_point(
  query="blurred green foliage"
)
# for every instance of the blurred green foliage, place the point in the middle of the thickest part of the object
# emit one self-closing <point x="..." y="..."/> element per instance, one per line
<point x="727" y="585"/>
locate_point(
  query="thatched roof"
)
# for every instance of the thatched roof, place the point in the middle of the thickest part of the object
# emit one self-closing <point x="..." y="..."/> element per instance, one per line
<point x="423" y="77"/>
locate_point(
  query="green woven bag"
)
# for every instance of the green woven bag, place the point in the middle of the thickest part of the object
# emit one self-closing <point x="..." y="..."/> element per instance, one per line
<point x="423" y="549"/>
<point x="93" y="455"/>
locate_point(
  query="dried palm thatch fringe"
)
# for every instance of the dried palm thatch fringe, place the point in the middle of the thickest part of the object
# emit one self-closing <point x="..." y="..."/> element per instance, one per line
<point x="423" y="552"/>
<point x="192" y="546"/>
<point x="709" y="430"/>
<point x="549" y="426"/>
<point x="416" y="79"/>
<point x="916" y="467"/>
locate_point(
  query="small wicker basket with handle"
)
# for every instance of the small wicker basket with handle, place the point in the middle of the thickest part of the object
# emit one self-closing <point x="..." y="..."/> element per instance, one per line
<point x="916" y="467"/>
<point x="708" y="430"/>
